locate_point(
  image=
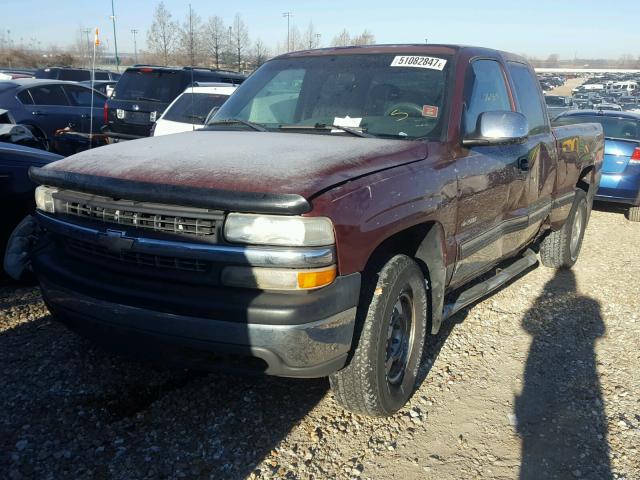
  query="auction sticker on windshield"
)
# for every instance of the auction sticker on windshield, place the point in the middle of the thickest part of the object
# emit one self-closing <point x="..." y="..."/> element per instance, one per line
<point x="433" y="63"/>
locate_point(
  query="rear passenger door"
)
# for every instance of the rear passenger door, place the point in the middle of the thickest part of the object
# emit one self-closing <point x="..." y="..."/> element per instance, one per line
<point x="80" y="99"/>
<point x="491" y="199"/>
<point x="541" y="152"/>
<point x="51" y="109"/>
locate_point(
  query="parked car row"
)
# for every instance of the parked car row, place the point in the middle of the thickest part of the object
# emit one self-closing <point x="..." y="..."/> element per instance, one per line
<point x="59" y="102"/>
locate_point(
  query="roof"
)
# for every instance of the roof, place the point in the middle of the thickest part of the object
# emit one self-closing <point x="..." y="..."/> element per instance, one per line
<point x="31" y="82"/>
<point x="423" y="48"/>
<point x="222" y="88"/>
<point x="601" y="113"/>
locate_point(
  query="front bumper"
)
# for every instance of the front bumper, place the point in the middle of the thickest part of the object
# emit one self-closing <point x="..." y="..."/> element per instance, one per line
<point x="173" y="315"/>
<point x="313" y="349"/>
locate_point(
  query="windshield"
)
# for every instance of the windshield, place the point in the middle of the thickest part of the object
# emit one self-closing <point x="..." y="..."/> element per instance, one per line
<point x="624" y="128"/>
<point x="391" y="96"/>
<point x="194" y="107"/>
<point x="153" y="86"/>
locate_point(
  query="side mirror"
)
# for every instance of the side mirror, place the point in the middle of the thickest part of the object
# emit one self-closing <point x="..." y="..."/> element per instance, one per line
<point x="498" y="128"/>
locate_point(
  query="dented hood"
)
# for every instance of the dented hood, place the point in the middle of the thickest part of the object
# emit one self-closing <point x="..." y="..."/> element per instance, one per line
<point x="243" y="161"/>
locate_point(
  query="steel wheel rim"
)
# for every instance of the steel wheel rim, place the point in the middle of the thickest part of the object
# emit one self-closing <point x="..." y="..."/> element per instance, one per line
<point x="399" y="338"/>
<point x="576" y="231"/>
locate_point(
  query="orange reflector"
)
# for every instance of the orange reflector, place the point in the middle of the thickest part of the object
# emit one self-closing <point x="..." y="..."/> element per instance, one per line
<point x="315" y="279"/>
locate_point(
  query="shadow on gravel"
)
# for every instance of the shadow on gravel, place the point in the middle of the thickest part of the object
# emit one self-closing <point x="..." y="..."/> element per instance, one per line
<point x="71" y="410"/>
<point x="560" y="413"/>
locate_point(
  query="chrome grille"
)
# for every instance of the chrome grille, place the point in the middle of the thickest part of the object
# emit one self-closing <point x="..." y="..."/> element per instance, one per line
<point x="89" y="251"/>
<point x="158" y="218"/>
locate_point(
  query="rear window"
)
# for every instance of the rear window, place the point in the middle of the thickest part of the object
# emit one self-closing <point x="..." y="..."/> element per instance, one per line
<point x="624" y="128"/>
<point x="153" y="86"/>
<point x="74" y="75"/>
<point x="194" y="107"/>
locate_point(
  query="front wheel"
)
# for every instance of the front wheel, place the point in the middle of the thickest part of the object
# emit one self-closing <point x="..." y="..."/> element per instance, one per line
<point x="560" y="249"/>
<point x="382" y="373"/>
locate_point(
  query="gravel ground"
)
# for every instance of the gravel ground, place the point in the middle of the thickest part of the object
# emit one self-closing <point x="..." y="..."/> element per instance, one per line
<point x="541" y="380"/>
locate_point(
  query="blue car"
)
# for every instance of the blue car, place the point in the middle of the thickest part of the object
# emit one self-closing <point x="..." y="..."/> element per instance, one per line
<point x="46" y="106"/>
<point x="16" y="188"/>
<point x="620" y="181"/>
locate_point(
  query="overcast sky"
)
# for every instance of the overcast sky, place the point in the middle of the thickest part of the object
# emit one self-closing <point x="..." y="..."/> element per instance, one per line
<point x="586" y="28"/>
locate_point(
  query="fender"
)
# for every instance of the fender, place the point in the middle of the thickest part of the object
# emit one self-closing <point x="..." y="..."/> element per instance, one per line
<point x="431" y="253"/>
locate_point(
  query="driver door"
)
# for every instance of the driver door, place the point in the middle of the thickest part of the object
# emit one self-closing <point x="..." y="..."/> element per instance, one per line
<point x="491" y="181"/>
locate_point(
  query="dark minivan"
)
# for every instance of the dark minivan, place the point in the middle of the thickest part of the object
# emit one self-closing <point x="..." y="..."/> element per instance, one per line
<point x="74" y="74"/>
<point x="143" y="93"/>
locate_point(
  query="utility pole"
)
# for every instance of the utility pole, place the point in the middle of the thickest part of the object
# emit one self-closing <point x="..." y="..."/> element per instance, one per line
<point x="318" y="35"/>
<point x="135" y="45"/>
<point x="115" y="41"/>
<point x="288" y="16"/>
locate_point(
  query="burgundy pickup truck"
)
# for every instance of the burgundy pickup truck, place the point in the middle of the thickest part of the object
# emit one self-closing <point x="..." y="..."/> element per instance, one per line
<point x="338" y="208"/>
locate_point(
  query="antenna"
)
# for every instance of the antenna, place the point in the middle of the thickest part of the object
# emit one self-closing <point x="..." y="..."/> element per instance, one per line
<point x="193" y="111"/>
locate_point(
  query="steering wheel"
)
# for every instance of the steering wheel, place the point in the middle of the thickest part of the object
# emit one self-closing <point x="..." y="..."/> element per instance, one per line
<point x="403" y="110"/>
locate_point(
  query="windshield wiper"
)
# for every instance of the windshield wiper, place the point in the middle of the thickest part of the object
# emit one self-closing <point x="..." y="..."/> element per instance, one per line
<point x="324" y="126"/>
<point x="197" y="117"/>
<point x="148" y="99"/>
<point x="246" y="123"/>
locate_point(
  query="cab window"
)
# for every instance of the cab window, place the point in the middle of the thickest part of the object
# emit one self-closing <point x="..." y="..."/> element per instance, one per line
<point x="528" y="96"/>
<point x="485" y="91"/>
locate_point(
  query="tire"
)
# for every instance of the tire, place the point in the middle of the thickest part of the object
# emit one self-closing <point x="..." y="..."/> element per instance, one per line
<point x="633" y="214"/>
<point x="560" y="249"/>
<point x="381" y="375"/>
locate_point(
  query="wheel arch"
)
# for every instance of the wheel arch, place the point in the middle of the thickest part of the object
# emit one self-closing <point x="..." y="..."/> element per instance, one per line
<point x="425" y="243"/>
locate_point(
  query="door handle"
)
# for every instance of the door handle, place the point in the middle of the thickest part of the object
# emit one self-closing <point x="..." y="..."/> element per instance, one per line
<point x="523" y="164"/>
<point x="38" y="113"/>
<point x="84" y="115"/>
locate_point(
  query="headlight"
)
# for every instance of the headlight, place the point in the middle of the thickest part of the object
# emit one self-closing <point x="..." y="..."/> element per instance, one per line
<point x="44" y="198"/>
<point x="279" y="230"/>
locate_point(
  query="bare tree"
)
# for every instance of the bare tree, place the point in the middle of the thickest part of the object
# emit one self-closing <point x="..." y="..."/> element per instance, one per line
<point x="239" y="39"/>
<point x="214" y="38"/>
<point x="553" y="61"/>
<point x="365" y="38"/>
<point x="161" y="36"/>
<point x="190" y="38"/>
<point x="311" y="37"/>
<point x="343" y="39"/>
<point x="260" y="53"/>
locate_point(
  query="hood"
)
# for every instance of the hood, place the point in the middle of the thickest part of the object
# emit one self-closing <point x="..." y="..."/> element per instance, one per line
<point x="244" y="161"/>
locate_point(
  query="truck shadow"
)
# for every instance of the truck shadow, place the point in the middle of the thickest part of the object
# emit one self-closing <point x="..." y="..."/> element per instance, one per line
<point x="85" y="412"/>
<point x="560" y="412"/>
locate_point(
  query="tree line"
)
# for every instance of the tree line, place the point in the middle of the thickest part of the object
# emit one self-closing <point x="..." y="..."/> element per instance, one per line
<point x="211" y="43"/>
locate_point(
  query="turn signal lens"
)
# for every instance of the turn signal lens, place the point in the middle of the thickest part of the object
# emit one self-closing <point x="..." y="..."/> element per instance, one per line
<point x="317" y="278"/>
<point x="267" y="278"/>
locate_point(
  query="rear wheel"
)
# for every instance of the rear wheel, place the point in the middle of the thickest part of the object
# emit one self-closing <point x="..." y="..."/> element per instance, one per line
<point x="382" y="373"/>
<point x="560" y="249"/>
<point x="634" y="214"/>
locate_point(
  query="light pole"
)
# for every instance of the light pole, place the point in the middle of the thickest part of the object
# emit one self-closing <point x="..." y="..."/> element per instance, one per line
<point x="86" y="32"/>
<point x="135" y="45"/>
<point x="288" y="15"/>
<point x="318" y="35"/>
<point x="115" y="41"/>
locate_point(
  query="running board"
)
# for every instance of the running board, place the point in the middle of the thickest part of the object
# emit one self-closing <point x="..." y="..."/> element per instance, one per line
<point x="482" y="289"/>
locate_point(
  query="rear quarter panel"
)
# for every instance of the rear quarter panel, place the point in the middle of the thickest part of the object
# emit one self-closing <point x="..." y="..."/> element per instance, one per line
<point x="580" y="146"/>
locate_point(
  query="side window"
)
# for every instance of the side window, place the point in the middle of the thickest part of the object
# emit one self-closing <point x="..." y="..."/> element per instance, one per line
<point x="81" y="97"/>
<point x="25" y="97"/>
<point x="48" y="95"/>
<point x="527" y="93"/>
<point x="102" y="76"/>
<point x="485" y="91"/>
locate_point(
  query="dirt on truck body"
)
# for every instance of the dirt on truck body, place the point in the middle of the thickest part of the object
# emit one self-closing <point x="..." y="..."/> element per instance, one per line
<point x="338" y="208"/>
